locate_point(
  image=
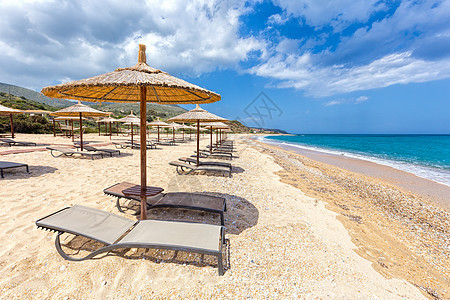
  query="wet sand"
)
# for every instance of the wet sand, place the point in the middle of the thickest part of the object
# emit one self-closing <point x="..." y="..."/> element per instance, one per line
<point x="424" y="187"/>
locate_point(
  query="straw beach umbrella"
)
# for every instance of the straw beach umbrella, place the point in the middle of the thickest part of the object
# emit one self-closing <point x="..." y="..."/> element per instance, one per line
<point x="174" y="127"/>
<point x="198" y="115"/>
<point x="79" y="110"/>
<point x="131" y="118"/>
<point x="158" y="123"/>
<point x="70" y="119"/>
<point x="10" y="111"/>
<point x="109" y="120"/>
<point x="214" y="125"/>
<point x="140" y="83"/>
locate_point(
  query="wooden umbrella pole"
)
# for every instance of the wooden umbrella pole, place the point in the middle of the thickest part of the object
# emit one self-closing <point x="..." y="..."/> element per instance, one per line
<point x="173" y="134"/>
<point x="12" y="126"/>
<point x="198" y="143"/>
<point x="210" y="144"/>
<point x="81" y="132"/>
<point x="73" y="133"/>
<point x="54" y="131"/>
<point x="143" y="152"/>
<point x="99" y="128"/>
<point x="158" y="134"/>
<point x="110" y="130"/>
<point x="132" y="135"/>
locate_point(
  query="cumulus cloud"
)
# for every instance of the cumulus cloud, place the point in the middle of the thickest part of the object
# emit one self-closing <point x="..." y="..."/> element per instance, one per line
<point x="336" y="13"/>
<point x="396" y="49"/>
<point x="322" y="48"/>
<point x="75" y="39"/>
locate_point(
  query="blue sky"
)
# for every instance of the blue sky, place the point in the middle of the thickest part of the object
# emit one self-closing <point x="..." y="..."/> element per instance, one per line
<point x="305" y="66"/>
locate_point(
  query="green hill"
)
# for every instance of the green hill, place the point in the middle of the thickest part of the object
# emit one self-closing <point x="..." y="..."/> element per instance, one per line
<point x="153" y="110"/>
<point x="25" y="123"/>
<point x="33" y="95"/>
<point x="23" y="103"/>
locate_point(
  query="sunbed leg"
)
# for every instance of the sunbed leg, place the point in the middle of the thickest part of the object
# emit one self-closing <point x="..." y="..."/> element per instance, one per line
<point x="220" y="264"/>
<point x="2" y="173"/>
<point x="28" y="171"/>
<point x="118" y="205"/>
<point x="222" y="222"/>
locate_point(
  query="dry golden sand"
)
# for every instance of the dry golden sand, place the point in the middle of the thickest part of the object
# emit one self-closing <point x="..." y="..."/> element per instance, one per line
<point x="281" y="243"/>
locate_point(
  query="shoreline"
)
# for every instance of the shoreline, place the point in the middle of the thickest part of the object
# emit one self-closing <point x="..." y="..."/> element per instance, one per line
<point x="429" y="189"/>
<point x="403" y="234"/>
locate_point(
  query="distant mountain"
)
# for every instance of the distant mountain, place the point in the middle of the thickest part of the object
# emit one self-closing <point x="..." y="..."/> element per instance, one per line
<point x="269" y="130"/>
<point x="33" y="95"/>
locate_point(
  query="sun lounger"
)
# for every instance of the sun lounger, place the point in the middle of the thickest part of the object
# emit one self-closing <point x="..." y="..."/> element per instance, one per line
<point x="135" y="145"/>
<point x="11" y="142"/>
<point x="116" y="232"/>
<point x="68" y="152"/>
<point x="110" y="152"/>
<point x="10" y="165"/>
<point x="192" y="201"/>
<point x="185" y="168"/>
<point x="166" y="142"/>
<point x="191" y="160"/>
<point x="214" y="155"/>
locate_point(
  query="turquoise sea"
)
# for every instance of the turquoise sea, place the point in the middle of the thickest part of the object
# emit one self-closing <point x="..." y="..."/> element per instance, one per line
<point x="427" y="156"/>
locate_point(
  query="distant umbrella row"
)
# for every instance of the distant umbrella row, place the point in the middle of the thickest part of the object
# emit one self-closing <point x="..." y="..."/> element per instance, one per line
<point x="80" y="112"/>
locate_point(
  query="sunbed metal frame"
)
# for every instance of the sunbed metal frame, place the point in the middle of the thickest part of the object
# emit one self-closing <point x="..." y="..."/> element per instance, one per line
<point x="10" y="165"/>
<point x="125" y="233"/>
<point x="185" y="168"/>
<point x="211" y="204"/>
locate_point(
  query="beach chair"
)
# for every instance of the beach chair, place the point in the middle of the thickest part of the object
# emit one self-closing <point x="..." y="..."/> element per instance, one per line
<point x="110" y="152"/>
<point x="191" y="160"/>
<point x="134" y="145"/>
<point x="214" y="155"/>
<point x="11" y="142"/>
<point x="166" y="142"/>
<point x="10" y="165"/>
<point x="185" y="168"/>
<point x="116" y="232"/>
<point x="68" y="152"/>
<point x="193" y="201"/>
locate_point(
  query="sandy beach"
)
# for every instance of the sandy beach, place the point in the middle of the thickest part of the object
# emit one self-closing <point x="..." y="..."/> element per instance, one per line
<point x="295" y="228"/>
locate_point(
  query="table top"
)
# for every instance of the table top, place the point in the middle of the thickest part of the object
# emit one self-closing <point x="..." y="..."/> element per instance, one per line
<point x="136" y="191"/>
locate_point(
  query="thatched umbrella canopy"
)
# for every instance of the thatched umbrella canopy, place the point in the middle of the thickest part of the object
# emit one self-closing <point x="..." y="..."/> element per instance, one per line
<point x="132" y="119"/>
<point x="107" y="121"/>
<point x="140" y="83"/>
<point x="198" y="115"/>
<point x="10" y="111"/>
<point x="158" y="123"/>
<point x="70" y="119"/>
<point x="79" y="110"/>
<point x="214" y="125"/>
<point x="174" y="127"/>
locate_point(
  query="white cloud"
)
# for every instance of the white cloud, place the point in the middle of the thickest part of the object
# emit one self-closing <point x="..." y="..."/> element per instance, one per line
<point x="75" y="39"/>
<point x="337" y="13"/>
<point x="301" y="73"/>
<point x="412" y="45"/>
<point x="361" y="99"/>
<point x="333" y="102"/>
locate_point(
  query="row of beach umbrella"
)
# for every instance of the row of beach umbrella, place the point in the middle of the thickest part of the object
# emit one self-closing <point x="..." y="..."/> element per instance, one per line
<point x="141" y="83"/>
